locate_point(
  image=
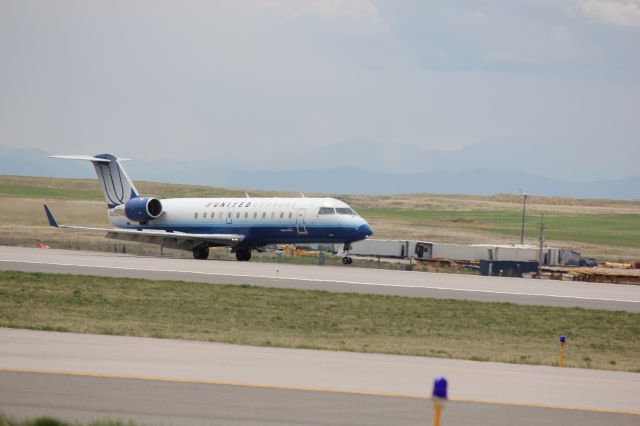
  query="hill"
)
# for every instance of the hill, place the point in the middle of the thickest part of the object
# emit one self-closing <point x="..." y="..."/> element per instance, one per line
<point x="360" y="168"/>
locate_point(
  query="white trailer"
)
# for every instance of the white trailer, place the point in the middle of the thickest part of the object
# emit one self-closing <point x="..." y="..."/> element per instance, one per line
<point x="405" y="249"/>
<point x="400" y="249"/>
<point x="458" y="252"/>
<point x="516" y="253"/>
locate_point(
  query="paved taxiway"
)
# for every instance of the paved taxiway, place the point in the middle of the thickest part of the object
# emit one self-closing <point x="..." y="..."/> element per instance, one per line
<point x="83" y="377"/>
<point x="348" y="279"/>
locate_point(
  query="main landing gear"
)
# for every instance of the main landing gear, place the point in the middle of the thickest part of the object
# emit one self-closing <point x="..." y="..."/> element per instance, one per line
<point x="347" y="260"/>
<point x="201" y="252"/>
<point x="243" y="255"/>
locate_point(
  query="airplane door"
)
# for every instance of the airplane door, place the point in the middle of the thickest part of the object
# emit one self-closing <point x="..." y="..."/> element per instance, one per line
<point x="300" y="225"/>
<point x="230" y="215"/>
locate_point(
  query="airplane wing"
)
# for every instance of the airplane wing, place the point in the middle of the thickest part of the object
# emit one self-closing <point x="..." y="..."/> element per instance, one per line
<point x="174" y="239"/>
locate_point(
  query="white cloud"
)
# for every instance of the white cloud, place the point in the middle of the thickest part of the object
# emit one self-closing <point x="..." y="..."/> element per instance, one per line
<point x="624" y="14"/>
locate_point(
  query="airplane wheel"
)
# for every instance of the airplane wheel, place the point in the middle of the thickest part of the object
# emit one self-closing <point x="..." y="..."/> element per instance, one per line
<point x="201" y="252"/>
<point x="345" y="260"/>
<point x="243" y="255"/>
<point x="350" y="261"/>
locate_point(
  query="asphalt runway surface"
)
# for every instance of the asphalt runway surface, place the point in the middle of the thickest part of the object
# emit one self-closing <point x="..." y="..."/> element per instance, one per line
<point x="162" y="381"/>
<point x="330" y="278"/>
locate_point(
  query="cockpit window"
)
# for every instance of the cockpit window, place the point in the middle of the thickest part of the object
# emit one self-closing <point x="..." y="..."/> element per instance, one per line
<point x="344" y="210"/>
<point x="326" y="210"/>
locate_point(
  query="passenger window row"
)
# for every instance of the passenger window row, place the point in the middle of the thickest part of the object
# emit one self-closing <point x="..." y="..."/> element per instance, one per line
<point x="246" y="215"/>
<point x="321" y="211"/>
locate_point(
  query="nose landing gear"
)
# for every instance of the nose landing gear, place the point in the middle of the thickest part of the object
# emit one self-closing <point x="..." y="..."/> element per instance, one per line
<point x="347" y="260"/>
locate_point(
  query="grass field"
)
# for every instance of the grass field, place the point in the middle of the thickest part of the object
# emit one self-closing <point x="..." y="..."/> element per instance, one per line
<point x="320" y="320"/>
<point x="22" y="191"/>
<point x="89" y="189"/>
<point x="604" y="229"/>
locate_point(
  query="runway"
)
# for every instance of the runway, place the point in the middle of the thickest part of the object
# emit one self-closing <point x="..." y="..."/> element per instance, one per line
<point x="329" y="278"/>
<point x="81" y="377"/>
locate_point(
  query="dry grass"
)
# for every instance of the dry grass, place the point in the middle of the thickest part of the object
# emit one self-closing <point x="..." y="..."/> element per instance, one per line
<point x="499" y="202"/>
<point x="29" y="212"/>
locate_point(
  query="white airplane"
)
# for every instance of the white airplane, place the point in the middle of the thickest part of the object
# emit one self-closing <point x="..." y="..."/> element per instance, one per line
<point x="196" y="224"/>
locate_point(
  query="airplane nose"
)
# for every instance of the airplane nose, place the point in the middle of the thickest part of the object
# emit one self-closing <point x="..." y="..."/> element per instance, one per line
<point x="365" y="230"/>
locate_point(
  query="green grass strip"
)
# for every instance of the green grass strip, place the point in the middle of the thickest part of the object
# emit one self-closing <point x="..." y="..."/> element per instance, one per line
<point x="51" y="421"/>
<point x="608" y="229"/>
<point x="320" y="320"/>
<point x="43" y="192"/>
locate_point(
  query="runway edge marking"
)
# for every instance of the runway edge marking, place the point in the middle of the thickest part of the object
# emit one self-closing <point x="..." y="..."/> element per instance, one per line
<point x="306" y="389"/>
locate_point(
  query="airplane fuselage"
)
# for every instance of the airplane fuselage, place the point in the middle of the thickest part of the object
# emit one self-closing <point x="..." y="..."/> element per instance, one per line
<point x="262" y="221"/>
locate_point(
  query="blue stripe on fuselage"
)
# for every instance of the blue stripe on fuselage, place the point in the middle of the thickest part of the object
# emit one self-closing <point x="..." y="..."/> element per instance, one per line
<point x="274" y="233"/>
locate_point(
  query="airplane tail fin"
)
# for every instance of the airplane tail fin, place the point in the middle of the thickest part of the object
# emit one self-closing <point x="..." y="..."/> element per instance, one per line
<point x="50" y="218"/>
<point x="116" y="184"/>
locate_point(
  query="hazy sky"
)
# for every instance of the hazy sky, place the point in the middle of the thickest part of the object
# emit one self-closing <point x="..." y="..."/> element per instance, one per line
<point x="201" y="79"/>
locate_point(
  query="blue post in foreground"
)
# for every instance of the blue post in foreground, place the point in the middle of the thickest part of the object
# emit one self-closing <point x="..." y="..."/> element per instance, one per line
<point x="438" y="396"/>
<point x="563" y="340"/>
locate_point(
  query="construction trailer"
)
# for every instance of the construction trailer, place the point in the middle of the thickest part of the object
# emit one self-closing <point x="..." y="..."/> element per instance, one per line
<point x="423" y="250"/>
<point x="561" y="257"/>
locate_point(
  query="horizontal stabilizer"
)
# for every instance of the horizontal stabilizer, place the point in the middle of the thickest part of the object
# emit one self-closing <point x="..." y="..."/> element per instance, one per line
<point x="87" y="158"/>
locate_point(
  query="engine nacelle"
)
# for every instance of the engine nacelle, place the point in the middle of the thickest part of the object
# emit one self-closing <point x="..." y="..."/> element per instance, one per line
<point x="143" y="209"/>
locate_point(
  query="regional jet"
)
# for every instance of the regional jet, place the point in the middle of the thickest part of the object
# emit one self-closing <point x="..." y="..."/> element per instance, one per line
<point x="197" y="224"/>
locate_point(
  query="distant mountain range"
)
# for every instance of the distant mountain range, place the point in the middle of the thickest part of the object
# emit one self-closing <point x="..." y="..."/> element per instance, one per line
<point x="287" y="175"/>
<point x="346" y="180"/>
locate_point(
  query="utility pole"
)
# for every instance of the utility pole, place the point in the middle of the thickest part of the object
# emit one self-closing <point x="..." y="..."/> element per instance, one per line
<point x="524" y="208"/>
<point x="540" y="255"/>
